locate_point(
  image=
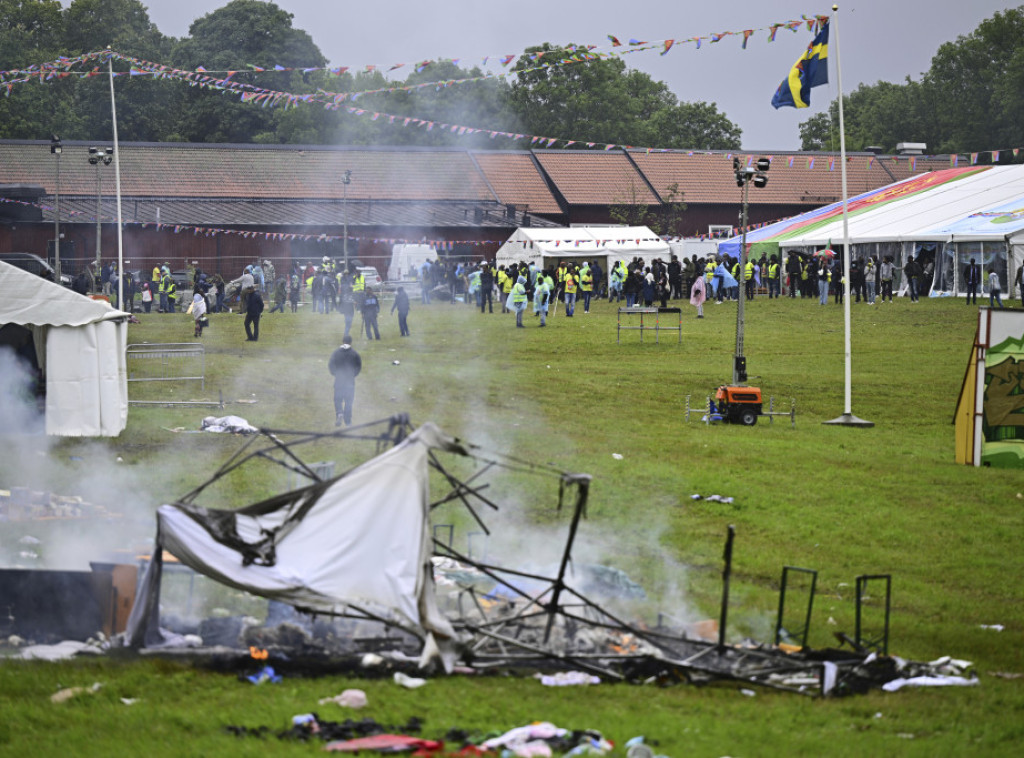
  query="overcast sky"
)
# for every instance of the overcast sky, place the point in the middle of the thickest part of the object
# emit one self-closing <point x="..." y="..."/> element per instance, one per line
<point x="885" y="40"/>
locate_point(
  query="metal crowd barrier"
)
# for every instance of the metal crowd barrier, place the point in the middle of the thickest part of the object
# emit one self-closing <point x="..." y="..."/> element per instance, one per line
<point x="167" y="362"/>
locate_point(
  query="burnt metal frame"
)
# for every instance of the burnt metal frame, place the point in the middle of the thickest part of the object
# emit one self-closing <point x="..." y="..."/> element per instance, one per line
<point x="880" y="643"/>
<point x="783" y="591"/>
<point x="494" y="639"/>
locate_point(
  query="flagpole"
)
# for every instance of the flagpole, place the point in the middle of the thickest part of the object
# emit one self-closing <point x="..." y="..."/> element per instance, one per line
<point x="117" y="175"/>
<point x="847" y="419"/>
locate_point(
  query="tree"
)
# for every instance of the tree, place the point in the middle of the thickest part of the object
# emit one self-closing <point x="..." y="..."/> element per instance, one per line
<point x="662" y="220"/>
<point x="144" y="107"/>
<point x="971" y="98"/>
<point x="599" y="100"/>
<point x="31" y="32"/>
<point x="975" y="82"/>
<point x="242" y="35"/>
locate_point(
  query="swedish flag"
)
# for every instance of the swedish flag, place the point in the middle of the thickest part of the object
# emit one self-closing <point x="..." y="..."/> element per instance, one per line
<point x="810" y="70"/>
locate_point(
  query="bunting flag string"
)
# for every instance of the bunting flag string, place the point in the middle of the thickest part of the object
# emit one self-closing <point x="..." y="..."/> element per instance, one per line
<point x="250" y="93"/>
<point x="439" y="243"/>
<point x="46" y="70"/>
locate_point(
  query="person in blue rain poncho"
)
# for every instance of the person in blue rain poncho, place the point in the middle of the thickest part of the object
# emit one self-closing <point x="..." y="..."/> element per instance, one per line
<point x="723" y="281"/>
<point x="517" y="300"/>
<point x="542" y="297"/>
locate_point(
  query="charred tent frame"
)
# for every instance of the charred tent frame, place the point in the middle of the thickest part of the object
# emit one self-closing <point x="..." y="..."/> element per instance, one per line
<point x="560" y="627"/>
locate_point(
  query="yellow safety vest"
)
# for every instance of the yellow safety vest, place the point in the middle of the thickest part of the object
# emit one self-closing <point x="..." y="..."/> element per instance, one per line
<point x="358" y="284"/>
<point x="519" y="293"/>
<point x="570" y="284"/>
<point x="587" y="281"/>
<point x="773" y="271"/>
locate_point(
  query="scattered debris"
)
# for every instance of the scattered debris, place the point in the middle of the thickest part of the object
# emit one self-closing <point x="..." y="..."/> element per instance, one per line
<point x="67" y="693"/>
<point x="347" y="699"/>
<point x="617" y="456"/>
<point x="266" y="674"/>
<point x="993" y="627"/>
<point x="567" y="679"/>
<point x="229" y="424"/>
<point x="713" y="498"/>
<point x="409" y="682"/>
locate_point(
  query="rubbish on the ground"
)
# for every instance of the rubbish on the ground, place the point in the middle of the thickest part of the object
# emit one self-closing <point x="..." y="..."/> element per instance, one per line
<point x="228" y="424"/>
<point x="748" y="693"/>
<point x="385" y="743"/>
<point x="520" y="735"/>
<point x="409" y="682"/>
<point x="993" y="627"/>
<point x="62" y="696"/>
<point x="929" y="681"/>
<point x="62" y="651"/>
<point x="1005" y="674"/>
<point x="568" y="679"/>
<point x="129" y="700"/>
<point x="347" y="699"/>
<point x="396" y="363"/>
<point x="29" y="540"/>
<point x="617" y="456"/>
<point x="266" y="674"/>
<point x="713" y="498"/>
<point x="370" y="660"/>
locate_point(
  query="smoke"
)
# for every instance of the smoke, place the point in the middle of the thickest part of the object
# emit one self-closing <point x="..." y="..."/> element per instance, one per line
<point x="19" y="408"/>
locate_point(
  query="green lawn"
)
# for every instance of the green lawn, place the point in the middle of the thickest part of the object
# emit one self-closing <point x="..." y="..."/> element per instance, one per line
<point x="843" y="501"/>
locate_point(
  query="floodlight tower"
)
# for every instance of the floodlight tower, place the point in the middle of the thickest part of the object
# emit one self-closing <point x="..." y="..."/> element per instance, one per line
<point x="100" y="156"/>
<point x="745" y="176"/>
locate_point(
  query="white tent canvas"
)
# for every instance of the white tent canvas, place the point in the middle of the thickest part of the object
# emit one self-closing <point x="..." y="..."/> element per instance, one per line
<point x="359" y="543"/>
<point x="606" y="244"/>
<point x="80" y="349"/>
<point x="947" y="217"/>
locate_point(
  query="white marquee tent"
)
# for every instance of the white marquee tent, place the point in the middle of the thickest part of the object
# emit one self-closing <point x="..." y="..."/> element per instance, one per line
<point x="946" y="217"/>
<point x="80" y="349"/>
<point x="606" y="244"/>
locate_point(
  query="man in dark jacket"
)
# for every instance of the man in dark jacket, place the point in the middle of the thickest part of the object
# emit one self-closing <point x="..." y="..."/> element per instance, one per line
<point x="972" y="278"/>
<point x="371" y="307"/>
<point x="345" y="365"/>
<point x="253" y="311"/>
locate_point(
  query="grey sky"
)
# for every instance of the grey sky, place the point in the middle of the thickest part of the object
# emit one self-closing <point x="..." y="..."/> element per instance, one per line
<point x="884" y="40"/>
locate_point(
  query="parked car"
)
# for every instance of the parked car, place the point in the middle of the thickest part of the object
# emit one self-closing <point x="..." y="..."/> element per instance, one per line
<point x="34" y="265"/>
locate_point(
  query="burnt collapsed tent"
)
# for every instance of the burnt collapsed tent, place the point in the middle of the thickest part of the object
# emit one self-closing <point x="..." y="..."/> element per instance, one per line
<point x="942" y="219"/>
<point x="362" y="548"/>
<point x="71" y="348"/>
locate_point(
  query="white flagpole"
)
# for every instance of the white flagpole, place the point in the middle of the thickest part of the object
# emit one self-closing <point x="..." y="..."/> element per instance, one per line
<point x="117" y="175"/>
<point x="847" y="419"/>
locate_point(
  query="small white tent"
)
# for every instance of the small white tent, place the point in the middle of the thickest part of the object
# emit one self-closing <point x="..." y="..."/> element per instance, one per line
<point x="79" y="348"/>
<point x="606" y="244"/>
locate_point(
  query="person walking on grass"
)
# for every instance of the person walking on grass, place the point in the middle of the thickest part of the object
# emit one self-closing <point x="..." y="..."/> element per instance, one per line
<point x="198" y="312"/>
<point x="344" y="365"/>
<point x="401" y="304"/>
<point x="253" y="311"/>
<point x="994" y="290"/>
<point x="371" y="307"/>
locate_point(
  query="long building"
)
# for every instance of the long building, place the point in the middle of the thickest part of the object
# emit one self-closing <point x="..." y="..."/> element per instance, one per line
<point x="223" y="206"/>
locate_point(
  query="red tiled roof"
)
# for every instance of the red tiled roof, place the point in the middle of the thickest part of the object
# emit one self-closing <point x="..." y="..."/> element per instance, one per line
<point x="589" y="178"/>
<point x="176" y="170"/>
<point x="517" y="181"/>
<point x="709" y="178"/>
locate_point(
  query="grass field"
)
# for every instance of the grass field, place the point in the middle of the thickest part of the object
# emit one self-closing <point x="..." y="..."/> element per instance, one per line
<point x="844" y="501"/>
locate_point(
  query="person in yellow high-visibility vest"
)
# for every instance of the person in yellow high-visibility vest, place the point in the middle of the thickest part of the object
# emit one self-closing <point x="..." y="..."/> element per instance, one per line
<point x="774" y="269"/>
<point x="517" y="300"/>
<point x="748" y="279"/>
<point x="358" y="288"/>
<point x="571" y="284"/>
<point x="586" y="287"/>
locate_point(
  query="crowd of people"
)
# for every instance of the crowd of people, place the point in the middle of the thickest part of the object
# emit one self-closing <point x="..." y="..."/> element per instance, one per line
<point x="572" y="285"/>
